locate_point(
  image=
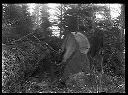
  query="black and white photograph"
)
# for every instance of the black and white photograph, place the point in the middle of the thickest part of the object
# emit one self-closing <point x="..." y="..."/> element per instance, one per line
<point x="63" y="48"/>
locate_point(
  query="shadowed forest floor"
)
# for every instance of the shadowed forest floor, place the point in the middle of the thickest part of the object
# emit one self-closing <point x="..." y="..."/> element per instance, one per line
<point x="80" y="83"/>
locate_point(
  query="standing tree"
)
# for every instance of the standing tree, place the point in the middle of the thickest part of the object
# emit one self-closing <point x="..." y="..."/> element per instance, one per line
<point x="16" y="22"/>
<point x="41" y="19"/>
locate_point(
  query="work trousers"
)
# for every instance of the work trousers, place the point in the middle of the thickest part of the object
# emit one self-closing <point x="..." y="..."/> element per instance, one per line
<point x="78" y="62"/>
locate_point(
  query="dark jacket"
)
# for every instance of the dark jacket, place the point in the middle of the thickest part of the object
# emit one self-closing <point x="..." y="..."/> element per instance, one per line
<point x="74" y="60"/>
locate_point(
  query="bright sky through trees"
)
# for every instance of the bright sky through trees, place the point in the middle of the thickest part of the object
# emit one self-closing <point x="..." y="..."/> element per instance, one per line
<point x="115" y="8"/>
<point x="115" y="11"/>
<point x="31" y="7"/>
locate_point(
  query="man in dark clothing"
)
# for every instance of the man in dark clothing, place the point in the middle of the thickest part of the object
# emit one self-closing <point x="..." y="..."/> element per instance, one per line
<point x="75" y="57"/>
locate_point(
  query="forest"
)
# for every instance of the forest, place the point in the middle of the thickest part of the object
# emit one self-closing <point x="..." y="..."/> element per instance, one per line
<point x="31" y="49"/>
